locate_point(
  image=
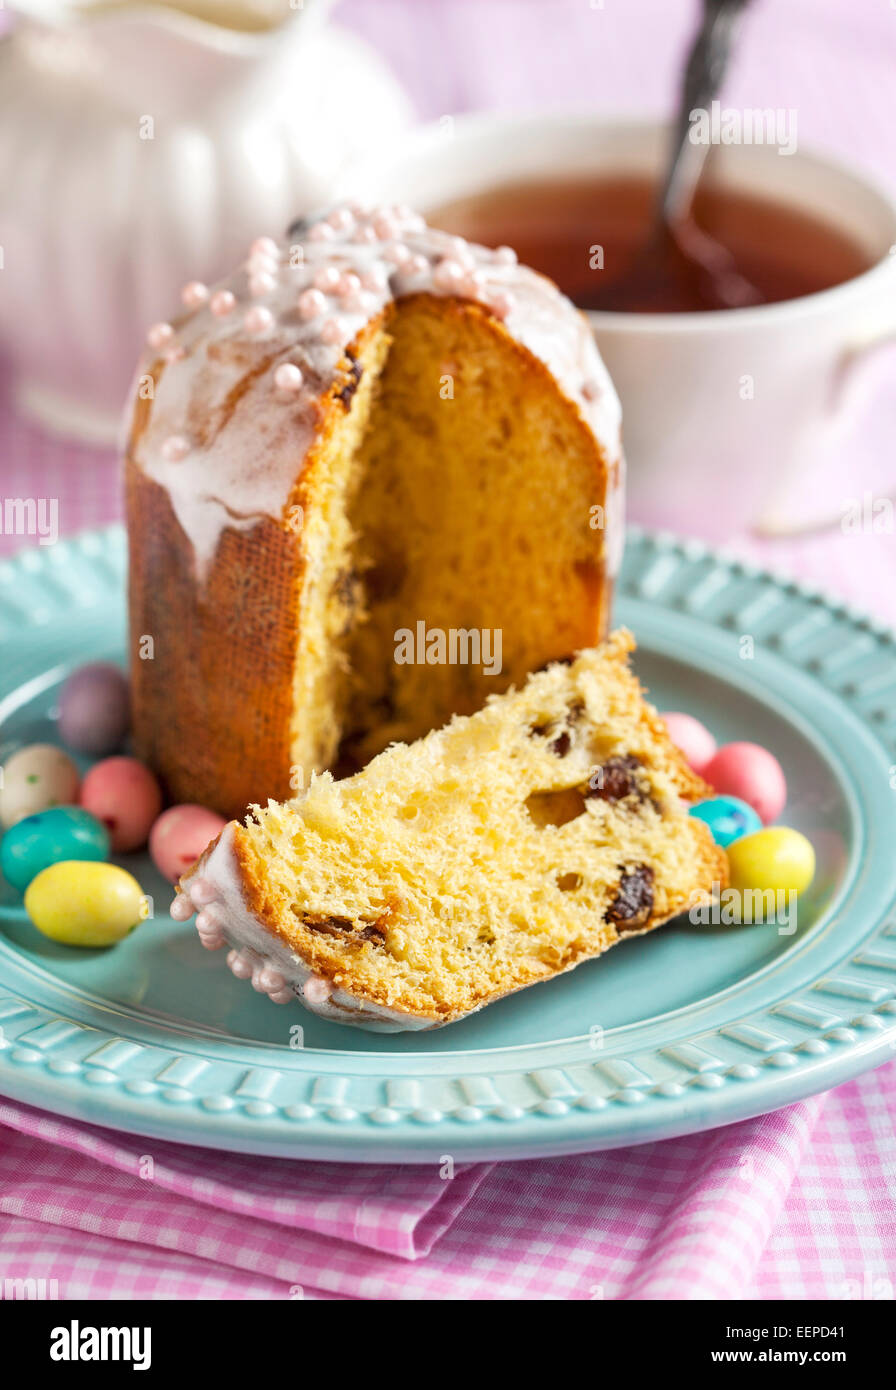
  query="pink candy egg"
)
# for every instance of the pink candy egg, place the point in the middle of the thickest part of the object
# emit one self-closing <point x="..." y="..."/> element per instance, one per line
<point x="125" y="796"/>
<point x="180" y="835"/>
<point x="752" y="773"/>
<point x="693" y="738"/>
<point x="94" y="709"/>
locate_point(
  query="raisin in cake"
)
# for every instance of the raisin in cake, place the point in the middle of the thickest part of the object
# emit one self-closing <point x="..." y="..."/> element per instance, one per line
<point x="374" y="425"/>
<point x="495" y="853"/>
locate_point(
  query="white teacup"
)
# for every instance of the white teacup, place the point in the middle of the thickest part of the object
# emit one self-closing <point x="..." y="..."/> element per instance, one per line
<point x="723" y="412"/>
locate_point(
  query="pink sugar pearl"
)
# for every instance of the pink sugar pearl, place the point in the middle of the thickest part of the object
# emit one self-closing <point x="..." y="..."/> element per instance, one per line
<point x="751" y="772"/>
<point x="288" y="377"/>
<point x="261" y="284"/>
<point x="202" y="891"/>
<point x="264" y="248"/>
<point x="341" y="219"/>
<point x="375" y="280"/>
<point x="321" y="231"/>
<point x="349" y="283"/>
<point x="330" y="331"/>
<point x="327" y="279"/>
<point x="175" y="448"/>
<point x="208" y="921"/>
<point x="124" y="795"/>
<point x="502" y="303"/>
<point x="160" y="335"/>
<point x="317" y="989"/>
<point x="693" y="738"/>
<point x="311" y="303"/>
<point x="384" y="226"/>
<point x="397" y="253"/>
<point x="210" y="936"/>
<point x="258" y="320"/>
<point x="180" y="835"/>
<point x="260" y="265"/>
<point x="505" y="255"/>
<point x="448" y="274"/>
<point x="222" y="303"/>
<point x="460" y="248"/>
<point x="194" y="294"/>
<point x="239" y="965"/>
<point x="270" y="980"/>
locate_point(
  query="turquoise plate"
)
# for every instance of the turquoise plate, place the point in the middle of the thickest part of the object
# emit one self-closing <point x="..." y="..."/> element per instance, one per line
<point x="688" y="1028"/>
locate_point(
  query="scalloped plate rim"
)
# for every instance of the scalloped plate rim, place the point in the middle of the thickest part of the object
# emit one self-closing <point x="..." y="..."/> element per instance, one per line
<point x="567" y="1122"/>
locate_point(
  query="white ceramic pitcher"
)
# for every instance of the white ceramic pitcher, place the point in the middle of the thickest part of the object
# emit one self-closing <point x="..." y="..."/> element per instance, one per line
<point x="146" y="145"/>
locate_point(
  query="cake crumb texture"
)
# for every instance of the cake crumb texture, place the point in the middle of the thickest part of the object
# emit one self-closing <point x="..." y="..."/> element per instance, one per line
<point x="501" y="850"/>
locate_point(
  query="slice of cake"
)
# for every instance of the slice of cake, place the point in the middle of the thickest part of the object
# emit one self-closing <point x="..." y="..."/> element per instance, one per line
<point x="494" y="853"/>
<point x="375" y="424"/>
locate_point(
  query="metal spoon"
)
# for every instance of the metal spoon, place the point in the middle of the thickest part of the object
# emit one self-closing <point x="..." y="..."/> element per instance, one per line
<point x="678" y="254"/>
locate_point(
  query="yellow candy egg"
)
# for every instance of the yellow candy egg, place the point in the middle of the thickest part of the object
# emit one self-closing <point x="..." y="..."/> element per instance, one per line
<point x="85" y="904"/>
<point x="777" y="859"/>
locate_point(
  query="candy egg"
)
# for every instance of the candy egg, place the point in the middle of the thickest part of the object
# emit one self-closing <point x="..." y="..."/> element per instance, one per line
<point x="84" y="904"/>
<point x="728" y="818"/>
<point x="125" y="796"/>
<point x="777" y="859"/>
<point x="94" y="709"/>
<point x="693" y="738"/>
<point x="180" y="835"/>
<point x="63" y="832"/>
<point x="751" y="773"/>
<point x="34" y="779"/>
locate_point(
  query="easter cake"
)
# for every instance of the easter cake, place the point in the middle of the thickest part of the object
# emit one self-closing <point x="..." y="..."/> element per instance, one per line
<point x="495" y="853"/>
<point x="375" y="428"/>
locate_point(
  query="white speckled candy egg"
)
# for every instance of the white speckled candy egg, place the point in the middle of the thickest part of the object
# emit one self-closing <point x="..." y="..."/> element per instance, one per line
<point x="34" y="779"/>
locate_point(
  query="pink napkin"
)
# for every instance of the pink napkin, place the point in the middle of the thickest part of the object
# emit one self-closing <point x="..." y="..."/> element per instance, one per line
<point x="718" y="1215"/>
<point x="191" y="1199"/>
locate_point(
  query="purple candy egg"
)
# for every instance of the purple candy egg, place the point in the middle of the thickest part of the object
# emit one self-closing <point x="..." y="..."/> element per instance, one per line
<point x="94" y="709"/>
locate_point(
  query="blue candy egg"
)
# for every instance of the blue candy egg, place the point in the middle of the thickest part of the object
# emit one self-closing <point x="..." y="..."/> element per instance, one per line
<point x="728" y="818"/>
<point x="49" y="837"/>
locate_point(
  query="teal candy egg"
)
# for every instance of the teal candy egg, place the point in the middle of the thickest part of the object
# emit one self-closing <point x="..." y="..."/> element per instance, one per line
<point x="728" y="818"/>
<point x="49" y="837"/>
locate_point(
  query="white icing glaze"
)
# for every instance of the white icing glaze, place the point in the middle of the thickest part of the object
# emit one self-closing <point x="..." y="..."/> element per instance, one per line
<point x="228" y="443"/>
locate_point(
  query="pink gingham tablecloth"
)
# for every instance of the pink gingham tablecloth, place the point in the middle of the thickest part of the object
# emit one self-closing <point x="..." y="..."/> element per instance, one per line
<point x="797" y="1204"/>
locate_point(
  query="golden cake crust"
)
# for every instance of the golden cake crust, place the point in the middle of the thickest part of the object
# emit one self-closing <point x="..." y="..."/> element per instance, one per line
<point x="213" y="707"/>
